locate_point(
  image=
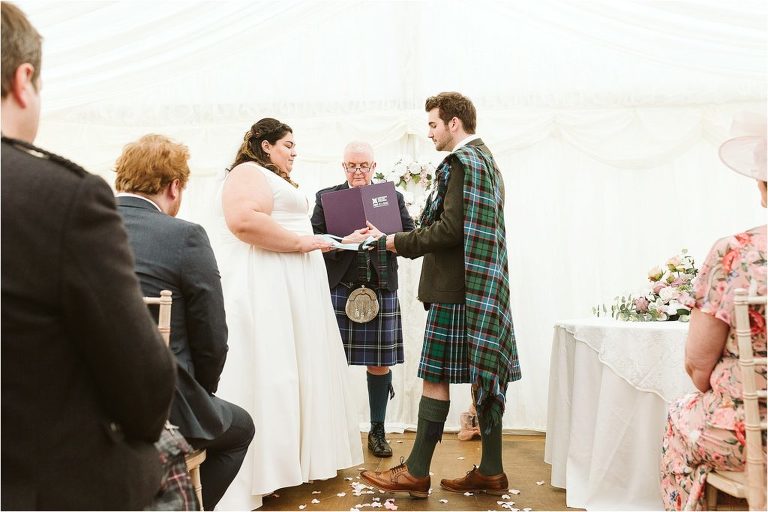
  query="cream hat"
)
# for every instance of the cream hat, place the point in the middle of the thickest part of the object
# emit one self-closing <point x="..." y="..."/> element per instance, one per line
<point x="745" y="151"/>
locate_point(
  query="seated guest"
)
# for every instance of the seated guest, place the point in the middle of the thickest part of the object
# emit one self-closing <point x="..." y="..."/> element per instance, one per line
<point x="705" y="430"/>
<point x="377" y="343"/>
<point x="173" y="254"/>
<point x="86" y="378"/>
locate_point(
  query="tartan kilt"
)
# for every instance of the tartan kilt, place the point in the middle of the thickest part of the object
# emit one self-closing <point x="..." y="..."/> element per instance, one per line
<point x="444" y="354"/>
<point x="375" y="343"/>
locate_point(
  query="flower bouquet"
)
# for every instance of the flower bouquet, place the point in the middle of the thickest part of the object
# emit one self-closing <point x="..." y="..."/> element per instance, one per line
<point x="414" y="180"/>
<point x="668" y="296"/>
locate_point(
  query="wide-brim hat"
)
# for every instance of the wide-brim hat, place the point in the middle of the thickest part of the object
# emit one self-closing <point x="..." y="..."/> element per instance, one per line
<point x="745" y="151"/>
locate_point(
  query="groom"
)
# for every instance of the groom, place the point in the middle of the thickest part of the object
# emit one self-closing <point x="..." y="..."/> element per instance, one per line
<point x="465" y="286"/>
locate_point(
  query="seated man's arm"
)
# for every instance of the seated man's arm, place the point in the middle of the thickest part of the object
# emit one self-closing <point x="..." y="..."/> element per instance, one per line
<point x="107" y="319"/>
<point x="206" y="320"/>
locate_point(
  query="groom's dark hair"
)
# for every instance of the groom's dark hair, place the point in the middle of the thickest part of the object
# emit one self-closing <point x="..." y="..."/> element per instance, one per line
<point x="453" y="104"/>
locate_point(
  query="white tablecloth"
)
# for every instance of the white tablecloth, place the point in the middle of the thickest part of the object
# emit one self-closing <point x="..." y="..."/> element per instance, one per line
<point x="609" y="387"/>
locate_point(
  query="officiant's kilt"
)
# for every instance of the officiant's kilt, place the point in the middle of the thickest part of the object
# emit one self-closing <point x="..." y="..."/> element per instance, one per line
<point x="375" y="343"/>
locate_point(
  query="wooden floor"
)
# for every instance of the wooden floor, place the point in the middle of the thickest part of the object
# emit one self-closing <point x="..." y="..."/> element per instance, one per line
<point x="523" y="463"/>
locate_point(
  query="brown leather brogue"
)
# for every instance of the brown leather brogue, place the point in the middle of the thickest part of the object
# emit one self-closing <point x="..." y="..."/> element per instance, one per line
<point x="476" y="482"/>
<point x="398" y="479"/>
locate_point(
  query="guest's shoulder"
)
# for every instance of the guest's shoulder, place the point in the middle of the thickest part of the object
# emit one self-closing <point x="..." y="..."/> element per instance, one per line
<point x="748" y="239"/>
<point x="34" y="159"/>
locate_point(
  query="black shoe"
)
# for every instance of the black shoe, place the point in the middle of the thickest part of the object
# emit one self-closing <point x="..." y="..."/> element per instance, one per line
<point x="377" y="442"/>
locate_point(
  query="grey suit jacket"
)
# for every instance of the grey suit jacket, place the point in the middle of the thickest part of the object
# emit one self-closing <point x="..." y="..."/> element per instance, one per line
<point x="173" y="254"/>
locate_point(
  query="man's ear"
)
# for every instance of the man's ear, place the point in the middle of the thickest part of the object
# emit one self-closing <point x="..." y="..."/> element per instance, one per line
<point x="174" y="189"/>
<point x="23" y="84"/>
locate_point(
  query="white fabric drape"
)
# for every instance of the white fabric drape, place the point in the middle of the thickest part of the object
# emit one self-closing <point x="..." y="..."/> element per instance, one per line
<point x="604" y="117"/>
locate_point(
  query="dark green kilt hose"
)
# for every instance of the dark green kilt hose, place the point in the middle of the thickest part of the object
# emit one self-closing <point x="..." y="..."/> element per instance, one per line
<point x="444" y="354"/>
<point x="375" y="343"/>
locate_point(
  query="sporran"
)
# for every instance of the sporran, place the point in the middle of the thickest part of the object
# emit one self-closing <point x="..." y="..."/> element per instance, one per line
<point x="362" y="305"/>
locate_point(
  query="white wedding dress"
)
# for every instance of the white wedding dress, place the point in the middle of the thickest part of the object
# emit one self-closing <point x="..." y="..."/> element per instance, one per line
<point x="286" y="364"/>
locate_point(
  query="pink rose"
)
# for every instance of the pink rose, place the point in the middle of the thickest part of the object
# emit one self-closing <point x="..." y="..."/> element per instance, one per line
<point x="658" y="286"/>
<point x="641" y="305"/>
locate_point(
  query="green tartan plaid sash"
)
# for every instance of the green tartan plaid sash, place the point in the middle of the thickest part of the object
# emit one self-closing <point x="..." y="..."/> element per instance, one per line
<point x="493" y="361"/>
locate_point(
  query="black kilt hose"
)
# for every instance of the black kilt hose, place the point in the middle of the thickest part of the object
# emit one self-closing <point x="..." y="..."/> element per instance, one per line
<point x="375" y="343"/>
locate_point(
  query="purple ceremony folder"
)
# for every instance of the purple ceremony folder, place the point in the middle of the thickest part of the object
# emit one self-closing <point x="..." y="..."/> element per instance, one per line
<point x="347" y="210"/>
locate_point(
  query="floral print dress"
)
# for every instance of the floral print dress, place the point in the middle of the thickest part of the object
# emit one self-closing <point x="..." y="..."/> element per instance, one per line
<point x="705" y="431"/>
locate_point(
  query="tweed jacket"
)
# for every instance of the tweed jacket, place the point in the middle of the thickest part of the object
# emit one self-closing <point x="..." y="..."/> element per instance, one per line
<point x="441" y="244"/>
<point x="87" y="381"/>
<point x="341" y="263"/>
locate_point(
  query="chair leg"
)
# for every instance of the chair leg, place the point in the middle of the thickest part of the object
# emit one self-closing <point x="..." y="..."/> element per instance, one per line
<point x="197" y="484"/>
<point x="711" y="497"/>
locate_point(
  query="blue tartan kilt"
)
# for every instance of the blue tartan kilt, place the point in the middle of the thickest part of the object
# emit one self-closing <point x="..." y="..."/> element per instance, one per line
<point x="444" y="356"/>
<point x="375" y="343"/>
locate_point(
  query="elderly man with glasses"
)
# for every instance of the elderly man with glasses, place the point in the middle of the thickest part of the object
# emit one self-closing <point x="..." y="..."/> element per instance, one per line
<point x="376" y="343"/>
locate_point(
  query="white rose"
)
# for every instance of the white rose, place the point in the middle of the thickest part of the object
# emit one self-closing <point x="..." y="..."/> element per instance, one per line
<point x="668" y="293"/>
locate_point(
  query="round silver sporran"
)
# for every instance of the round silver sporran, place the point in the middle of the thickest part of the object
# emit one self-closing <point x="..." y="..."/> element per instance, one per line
<point x="362" y="305"/>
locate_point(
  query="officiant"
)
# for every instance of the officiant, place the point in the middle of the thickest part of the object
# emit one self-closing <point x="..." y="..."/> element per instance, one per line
<point x="374" y="340"/>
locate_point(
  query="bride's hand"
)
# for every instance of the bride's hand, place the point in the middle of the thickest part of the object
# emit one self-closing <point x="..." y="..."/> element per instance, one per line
<point x="309" y="243"/>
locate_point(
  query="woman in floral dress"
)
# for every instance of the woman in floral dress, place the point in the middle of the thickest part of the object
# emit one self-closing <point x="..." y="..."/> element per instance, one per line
<point x="705" y="430"/>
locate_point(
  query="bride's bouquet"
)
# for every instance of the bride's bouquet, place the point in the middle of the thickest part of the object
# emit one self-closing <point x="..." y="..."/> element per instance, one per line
<point x="414" y="180"/>
<point x="669" y="295"/>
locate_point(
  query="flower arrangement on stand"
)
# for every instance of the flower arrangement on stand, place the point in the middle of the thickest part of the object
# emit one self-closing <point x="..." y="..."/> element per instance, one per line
<point x="669" y="296"/>
<point x="414" y="180"/>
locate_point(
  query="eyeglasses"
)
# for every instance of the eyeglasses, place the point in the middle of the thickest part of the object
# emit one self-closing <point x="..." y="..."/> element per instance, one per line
<point x="365" y="168"/>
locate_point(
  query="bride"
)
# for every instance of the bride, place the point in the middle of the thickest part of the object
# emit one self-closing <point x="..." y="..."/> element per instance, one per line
<point x="286" y="364"/>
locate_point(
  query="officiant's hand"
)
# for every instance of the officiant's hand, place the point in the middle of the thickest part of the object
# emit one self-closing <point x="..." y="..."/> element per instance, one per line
<point x="374" y="231"/>
<point x="358" y="236"/>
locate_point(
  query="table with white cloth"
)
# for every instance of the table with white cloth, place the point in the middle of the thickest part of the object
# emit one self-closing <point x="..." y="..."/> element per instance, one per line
<point x="610" y="386"/>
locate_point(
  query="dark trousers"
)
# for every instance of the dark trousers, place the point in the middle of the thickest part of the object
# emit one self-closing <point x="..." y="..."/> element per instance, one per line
<point x="224" y="455"/>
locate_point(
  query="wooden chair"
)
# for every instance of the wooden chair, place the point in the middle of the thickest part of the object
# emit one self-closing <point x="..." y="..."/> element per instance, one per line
<point x="194" y="459"/>
<point x="750" y="483"/>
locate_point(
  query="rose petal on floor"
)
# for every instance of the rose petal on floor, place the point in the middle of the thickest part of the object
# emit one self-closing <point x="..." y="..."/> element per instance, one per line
<point x="443" y="501"/>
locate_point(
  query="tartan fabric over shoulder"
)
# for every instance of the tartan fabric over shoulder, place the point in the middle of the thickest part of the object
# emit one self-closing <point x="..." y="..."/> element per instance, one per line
<point x="493" y="360"/>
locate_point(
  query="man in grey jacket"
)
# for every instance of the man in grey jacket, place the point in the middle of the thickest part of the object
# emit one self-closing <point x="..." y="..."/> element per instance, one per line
<point x="173" y="254"/>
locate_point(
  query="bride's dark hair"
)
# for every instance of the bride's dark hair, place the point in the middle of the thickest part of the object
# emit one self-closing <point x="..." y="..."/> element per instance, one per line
<point x="268" y="129"/>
